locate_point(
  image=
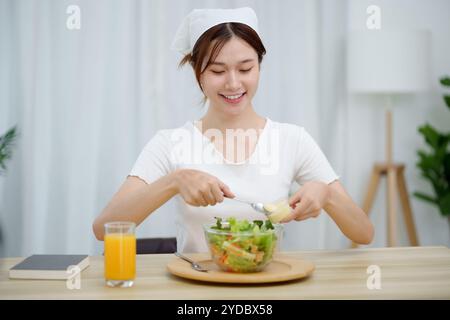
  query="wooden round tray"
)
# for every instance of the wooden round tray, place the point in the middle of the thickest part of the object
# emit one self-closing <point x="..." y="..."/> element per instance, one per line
<point x="280" y="269"/>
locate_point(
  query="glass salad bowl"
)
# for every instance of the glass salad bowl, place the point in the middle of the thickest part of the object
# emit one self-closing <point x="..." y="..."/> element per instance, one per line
<point x="242" y="246"/>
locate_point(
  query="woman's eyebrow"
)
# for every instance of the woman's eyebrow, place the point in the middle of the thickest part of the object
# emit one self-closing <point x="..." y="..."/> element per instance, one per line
<point x="240" y="62"/>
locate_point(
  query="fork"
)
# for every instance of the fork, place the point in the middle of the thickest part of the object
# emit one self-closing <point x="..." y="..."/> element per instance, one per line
<point x="194" y="264"/>
<point x="258" y="206"/>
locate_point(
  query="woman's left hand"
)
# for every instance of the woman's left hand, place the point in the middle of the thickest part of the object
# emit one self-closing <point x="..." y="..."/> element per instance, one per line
<point x="308" y="201"/>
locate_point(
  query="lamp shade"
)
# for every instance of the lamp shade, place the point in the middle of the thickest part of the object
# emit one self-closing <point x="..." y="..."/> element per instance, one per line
<point x="388" y="61"/>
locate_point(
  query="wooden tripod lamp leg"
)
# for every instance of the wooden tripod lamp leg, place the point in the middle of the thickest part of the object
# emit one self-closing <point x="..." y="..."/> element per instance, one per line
<point x="391" y="203"/>
<point x="391" y="180"/>
<point x="407" y="212"/>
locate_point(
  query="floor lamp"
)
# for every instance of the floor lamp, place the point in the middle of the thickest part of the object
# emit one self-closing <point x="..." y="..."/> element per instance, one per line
<point x="389" y="63"/>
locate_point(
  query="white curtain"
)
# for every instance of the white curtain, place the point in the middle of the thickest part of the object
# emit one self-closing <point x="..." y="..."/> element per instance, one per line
<point x="86" y="101"/>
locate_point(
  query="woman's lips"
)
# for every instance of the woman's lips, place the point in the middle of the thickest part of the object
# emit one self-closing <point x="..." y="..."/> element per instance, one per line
<point x="233" y="101"/>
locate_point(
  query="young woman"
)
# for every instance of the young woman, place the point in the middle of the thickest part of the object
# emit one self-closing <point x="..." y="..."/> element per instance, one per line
<point x="232" y="150"/>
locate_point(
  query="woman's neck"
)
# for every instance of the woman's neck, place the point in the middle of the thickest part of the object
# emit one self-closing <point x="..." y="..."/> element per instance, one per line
<point x="246" y="120"/>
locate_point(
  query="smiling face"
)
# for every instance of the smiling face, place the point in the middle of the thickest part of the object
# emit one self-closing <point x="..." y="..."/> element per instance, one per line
<point x="231" y="81"/>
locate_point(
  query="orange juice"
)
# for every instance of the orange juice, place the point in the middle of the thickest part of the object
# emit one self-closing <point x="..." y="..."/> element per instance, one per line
<point x="120" y="256"/>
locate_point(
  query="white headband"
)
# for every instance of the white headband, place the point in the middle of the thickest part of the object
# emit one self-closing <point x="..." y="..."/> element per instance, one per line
<point x="200" y="20"/>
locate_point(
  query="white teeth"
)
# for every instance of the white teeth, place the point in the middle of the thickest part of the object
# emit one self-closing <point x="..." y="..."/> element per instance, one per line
<point x="234" y="97"/>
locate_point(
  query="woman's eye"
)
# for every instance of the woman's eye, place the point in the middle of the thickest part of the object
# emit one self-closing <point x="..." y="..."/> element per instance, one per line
<point x="220" y="72"/>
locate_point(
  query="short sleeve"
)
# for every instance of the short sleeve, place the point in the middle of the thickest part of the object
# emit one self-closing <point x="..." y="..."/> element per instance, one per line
<point x="154" y="160"/>
<point x="311" y="163"/>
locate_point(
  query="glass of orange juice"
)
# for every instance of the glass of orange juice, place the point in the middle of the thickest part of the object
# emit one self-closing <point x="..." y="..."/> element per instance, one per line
<point x="120" y="254"/>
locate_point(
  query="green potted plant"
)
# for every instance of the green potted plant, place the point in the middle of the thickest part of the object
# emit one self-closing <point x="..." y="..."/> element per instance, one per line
<point x="6" y="143"/>
<point x="434" y="163"/>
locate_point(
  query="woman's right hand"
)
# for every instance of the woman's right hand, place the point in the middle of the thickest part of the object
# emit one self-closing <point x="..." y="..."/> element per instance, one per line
<point x="199" y="188"/>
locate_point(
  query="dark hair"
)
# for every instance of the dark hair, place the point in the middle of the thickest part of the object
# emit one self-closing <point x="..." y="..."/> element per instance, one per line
<point x="220" y="33"/>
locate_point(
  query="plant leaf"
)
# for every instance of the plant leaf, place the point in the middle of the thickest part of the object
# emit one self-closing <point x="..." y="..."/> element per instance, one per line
<point x="447" y="100"/>
<point x="446" y="163"/>
<point x="428" y="162"/>
<point x="444" y="204"/>
<point x="430" y="134"/>
<point x="445" y="81"/>
<point x="425" y="197"/>
<point x="6" y="143"/>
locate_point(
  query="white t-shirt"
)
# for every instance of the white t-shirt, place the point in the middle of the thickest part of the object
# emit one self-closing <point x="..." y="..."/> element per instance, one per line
<point x="284" y="153"/>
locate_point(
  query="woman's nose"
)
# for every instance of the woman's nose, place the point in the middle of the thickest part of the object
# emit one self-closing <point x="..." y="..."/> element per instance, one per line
<point x="233" y="81"/>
